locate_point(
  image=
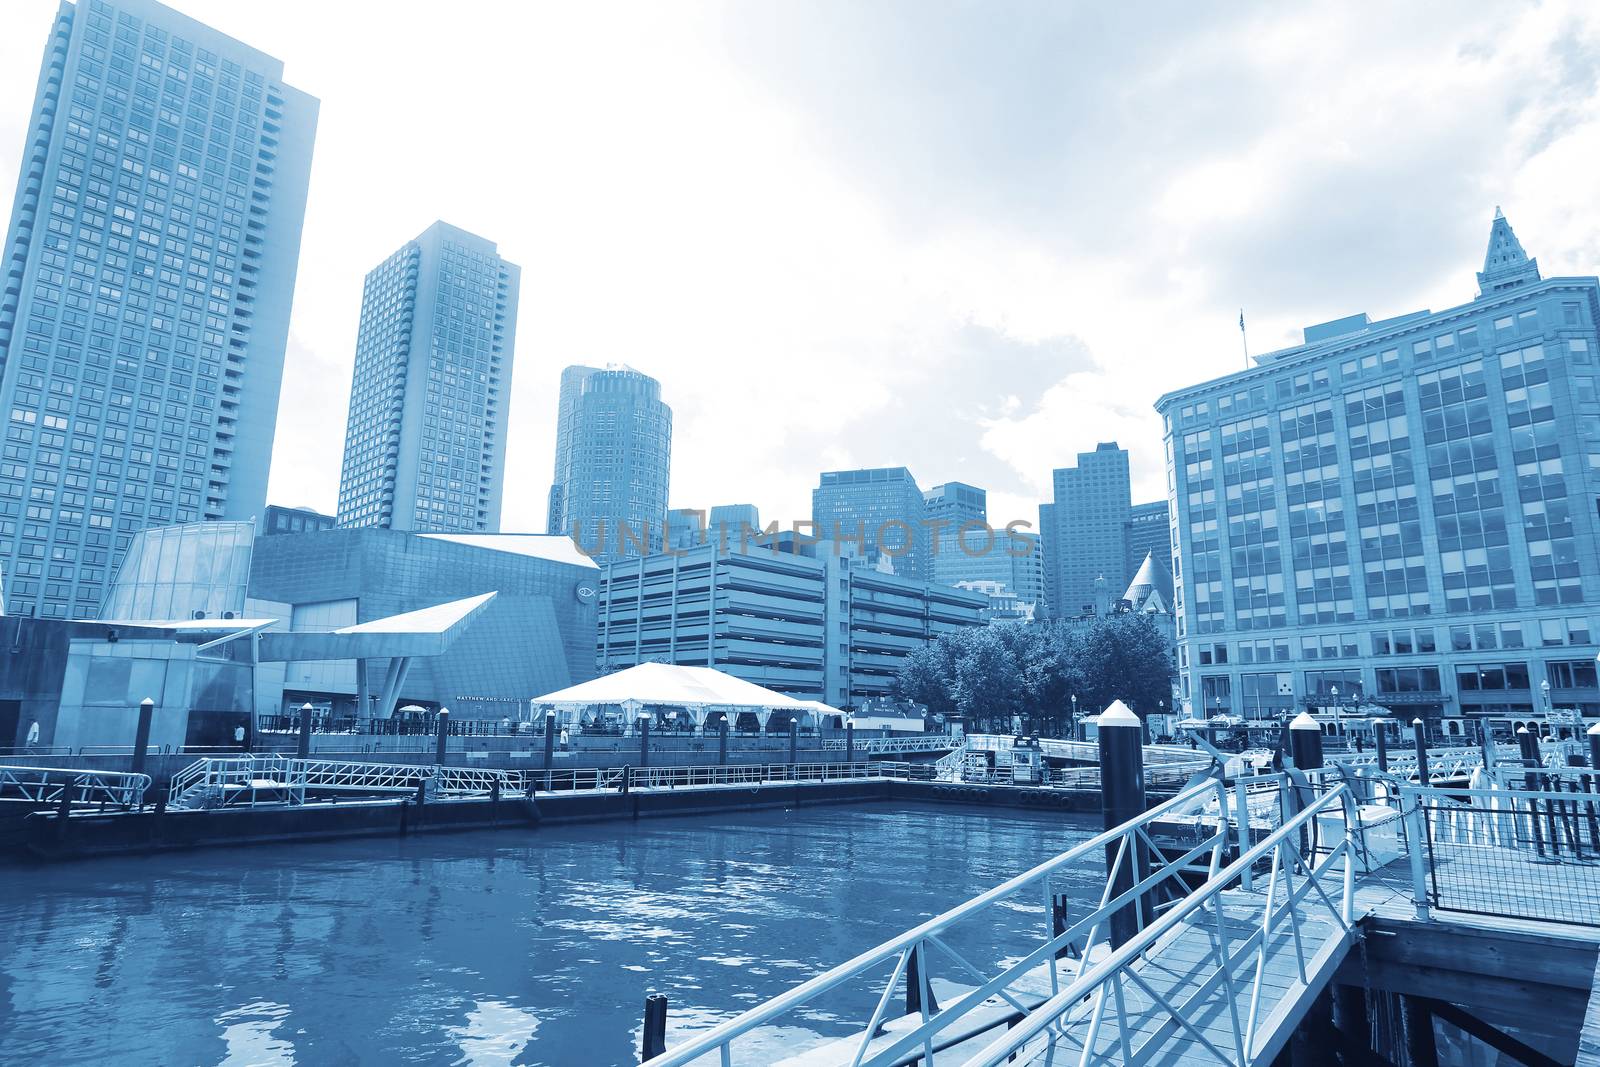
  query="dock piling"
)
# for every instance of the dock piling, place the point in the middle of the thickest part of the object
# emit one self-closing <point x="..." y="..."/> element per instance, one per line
<point x="722" y="743"/>
<point x="1528" y="744"/>
<point x="1422" y="1048"/>
<point x="141" y="734"/>
<point x="794" y="741"/>
<point x="1380" y="740"/>
<point x="303" y="749"/>
<point x="1419" y="738"/>
<point x="849" y="742"/>
<point x="644" y="742"/>
<point x="653" y="1040"/>
<point x="1122" y="799"/>
<point x="1594" y="747"/>
<point x="917" y="985"/>
<point x="1305" y="742"/>
<point x="549" y="740"/>
<point x="442" y="731"/>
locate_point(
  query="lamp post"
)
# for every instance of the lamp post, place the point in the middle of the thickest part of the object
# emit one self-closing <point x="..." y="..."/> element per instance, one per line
<point x="1074" y="723"/>
<point x="1544" y="687"/>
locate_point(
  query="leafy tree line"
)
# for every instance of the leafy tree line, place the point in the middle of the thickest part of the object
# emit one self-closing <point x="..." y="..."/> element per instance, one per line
<point x="988" y="674"/>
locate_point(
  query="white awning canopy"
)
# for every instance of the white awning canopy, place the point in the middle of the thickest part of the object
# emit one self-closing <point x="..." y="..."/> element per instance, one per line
<point x="698" y="690"/>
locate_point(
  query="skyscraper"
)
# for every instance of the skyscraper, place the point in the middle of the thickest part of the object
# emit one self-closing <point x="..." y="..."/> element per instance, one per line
<point x="149" y="267"/>
<point x="425" y="446"/>
<point x="1149" y="534"/>
<point x="879" y="508"/>
<point x="1085" y="529"/>
<point x="613" y="462"/>
<point x="1401" y="510"/>
<point x="572" y="379"/>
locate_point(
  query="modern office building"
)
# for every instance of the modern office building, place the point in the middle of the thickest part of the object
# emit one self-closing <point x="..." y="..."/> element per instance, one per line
<point x="734" y="524"/>
<point x="425" y="444"/>
<point x="964" y="549"/>
<point x="879" y="508"/>
<point x="1149" y="534"/>
<point x="282" y="520"/>
<point x="1402" y="509"/>
<point x="804" y="619"/>
<point x="613" y="462"/>
<point x="1085" y="530"/>
<point x="534" y="637"/>
<point x="147" y="276"/>
<point x="686" y="527"/>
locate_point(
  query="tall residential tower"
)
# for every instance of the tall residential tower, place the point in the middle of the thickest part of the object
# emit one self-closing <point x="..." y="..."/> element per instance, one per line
<point x="425" y="447"/>
<point x="147" y="275"/>
<point x="613" y="462"/>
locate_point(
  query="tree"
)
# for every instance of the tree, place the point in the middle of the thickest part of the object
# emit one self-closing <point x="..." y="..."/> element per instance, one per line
<point x="990" y="674"/>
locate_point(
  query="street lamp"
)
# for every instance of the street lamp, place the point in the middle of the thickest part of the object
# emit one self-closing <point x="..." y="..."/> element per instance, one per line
<point x="1544" y="687"/>
<point x="1335" y="690"/>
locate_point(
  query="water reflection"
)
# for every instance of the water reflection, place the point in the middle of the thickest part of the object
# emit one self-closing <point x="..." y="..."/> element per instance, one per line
<point x="496" y="948"/>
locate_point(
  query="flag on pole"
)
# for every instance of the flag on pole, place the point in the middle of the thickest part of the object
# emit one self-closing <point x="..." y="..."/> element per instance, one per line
<point x="1241" y="320"/>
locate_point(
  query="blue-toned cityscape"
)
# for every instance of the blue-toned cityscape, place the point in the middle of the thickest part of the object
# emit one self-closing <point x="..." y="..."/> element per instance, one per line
<point x="663" y="667"/>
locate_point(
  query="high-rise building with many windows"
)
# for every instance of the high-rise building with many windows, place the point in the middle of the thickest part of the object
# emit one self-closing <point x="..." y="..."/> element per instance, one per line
<point x="1085" y="531"/>
<point x="879" y="509"/>
<point x="1402" y="510"/>
<point x="1149" y="534"/>
<point x="147" y="276"/>
<point x="613" y="462"/>
<point x="425" y="447"/>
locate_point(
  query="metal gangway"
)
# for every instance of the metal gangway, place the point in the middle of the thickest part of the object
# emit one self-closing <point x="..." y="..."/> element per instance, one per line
<point x="256" y="780"/>
<point x="1226" y="960"/>
<point x="278" y="780"/>
<point x="1444" y="764"/>
<point x="75" y="787"/>
<point x="1165" y="766"/>
<point x="910" y="743"/>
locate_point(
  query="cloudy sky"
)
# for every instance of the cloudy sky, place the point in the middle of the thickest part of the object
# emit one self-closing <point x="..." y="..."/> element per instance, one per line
<point x="973" y="239"/>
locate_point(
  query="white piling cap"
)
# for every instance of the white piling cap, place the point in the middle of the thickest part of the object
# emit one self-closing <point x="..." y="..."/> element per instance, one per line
<point x="1594" y="730"/>
<point x="1304" y="721"/>
<point x="1117" y="715"/>
<point x="1522" y="729"/>
<point x="1416" y="722"/>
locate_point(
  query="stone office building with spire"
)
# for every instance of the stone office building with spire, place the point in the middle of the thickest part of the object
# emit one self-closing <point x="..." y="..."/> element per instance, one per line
<point x="1403" y="510"/>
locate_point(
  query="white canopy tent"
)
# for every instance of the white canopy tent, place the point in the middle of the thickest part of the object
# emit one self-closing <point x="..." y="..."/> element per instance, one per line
<point x="700" y="691"/>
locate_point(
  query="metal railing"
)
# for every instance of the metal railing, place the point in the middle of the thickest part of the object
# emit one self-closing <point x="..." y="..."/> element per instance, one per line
<point x="1010" y="993"/>
<point x="1132" y="1014"/>
<point x="908" y="743"/>
<point x="1100" y="1011"/>
<point x="1444" y="764"/>
<point x="248" y="781"/>
<point x="1527" y="847"/>
<point x="253" y="780"/>
<point x="49" y="786"/>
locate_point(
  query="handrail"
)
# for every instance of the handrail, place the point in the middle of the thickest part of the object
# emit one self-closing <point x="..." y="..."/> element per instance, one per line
<point x="1120" y="960"/>
<point x="49" y="785"/>
<point x="722" y="1034"/>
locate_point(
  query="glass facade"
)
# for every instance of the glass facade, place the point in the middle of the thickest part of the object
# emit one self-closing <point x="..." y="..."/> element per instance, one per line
<point x="1085" y="531"/>
<point x="426" y="439"/>
<point x="195" y="571"/>
<point x="149" y="267"/>
<point x="882" y="510"/>
<point x="536" y="636"/>
<point x="613" y="462"/>
<point x="1408" y="507"/>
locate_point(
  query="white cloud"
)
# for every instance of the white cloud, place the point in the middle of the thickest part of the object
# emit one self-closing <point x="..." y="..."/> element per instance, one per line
<point x="973" y="243"/>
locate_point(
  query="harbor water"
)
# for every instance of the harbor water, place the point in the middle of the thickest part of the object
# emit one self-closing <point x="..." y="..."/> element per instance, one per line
<point x="506" y="947"/>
